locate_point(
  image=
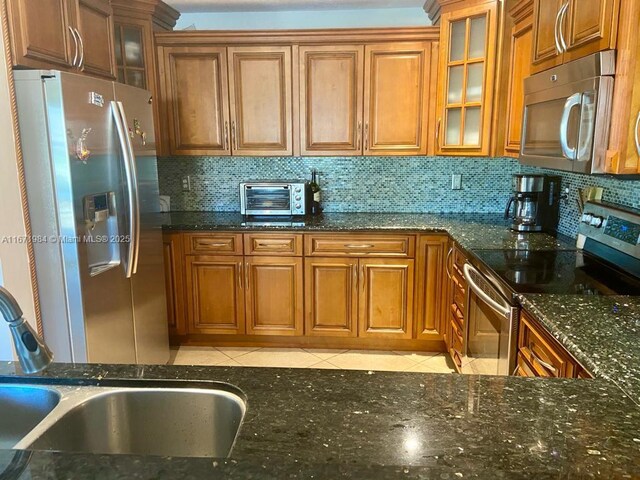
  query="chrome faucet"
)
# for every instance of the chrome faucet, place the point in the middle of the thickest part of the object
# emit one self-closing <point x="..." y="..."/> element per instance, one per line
<point x="32" y="352"/>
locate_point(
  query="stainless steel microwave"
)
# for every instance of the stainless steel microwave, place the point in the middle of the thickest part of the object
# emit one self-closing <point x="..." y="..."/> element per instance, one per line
<point x="282" y="198"/>
<point x="567" y="114"/>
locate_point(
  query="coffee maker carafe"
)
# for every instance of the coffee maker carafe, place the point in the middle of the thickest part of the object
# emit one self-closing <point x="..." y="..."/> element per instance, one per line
<point x="534" y="205"/>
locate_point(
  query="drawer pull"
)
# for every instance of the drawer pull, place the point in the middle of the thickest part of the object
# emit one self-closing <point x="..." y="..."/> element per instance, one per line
<point x="546" y="365"/>
<point x="357" y="245"/>
<point x="274" y="245"/>
<point x="213" y="244"/>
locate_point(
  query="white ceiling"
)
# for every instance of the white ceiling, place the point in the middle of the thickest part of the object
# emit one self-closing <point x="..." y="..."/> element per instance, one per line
<point x="286" y="5"/>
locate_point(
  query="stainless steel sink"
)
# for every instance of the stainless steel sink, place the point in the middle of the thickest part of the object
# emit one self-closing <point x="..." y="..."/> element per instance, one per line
<point x="23" y="407"/>
<point x="187" y="422"/>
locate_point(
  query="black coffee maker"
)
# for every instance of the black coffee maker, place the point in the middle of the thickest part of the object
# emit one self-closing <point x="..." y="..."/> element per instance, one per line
<point x="535" y="203"/>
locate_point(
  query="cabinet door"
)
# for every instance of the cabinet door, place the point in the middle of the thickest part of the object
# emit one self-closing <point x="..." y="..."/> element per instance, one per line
<point x="331" y="94"/>
<point x="260" y="91"/>
<point x="395" y="92"/>
<point x="94" y="21"/>
<point x="589" y="27"/>
<point x="215" y="294"/>
<point x="546" y="47"/>
<point x="174" y="282"/>
<point x="466" y="80"/>
<point x="40" y="36"/>
<point x="331" y="297"/>
<point x="521" y="44"/>
<point x="386" y="298"/>
<point x="274" y="295"/>
<point x="431" y="287"/>
<point x="194" y="87"/>
<point x="133" y="60"/>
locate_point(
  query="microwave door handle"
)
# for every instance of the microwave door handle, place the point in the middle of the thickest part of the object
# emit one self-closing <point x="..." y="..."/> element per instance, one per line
<point x="572" y="102"/>
<point x="585" y="137"/>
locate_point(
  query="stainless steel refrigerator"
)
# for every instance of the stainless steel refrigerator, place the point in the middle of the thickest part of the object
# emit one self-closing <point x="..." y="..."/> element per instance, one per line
<point x="92" y="186"/>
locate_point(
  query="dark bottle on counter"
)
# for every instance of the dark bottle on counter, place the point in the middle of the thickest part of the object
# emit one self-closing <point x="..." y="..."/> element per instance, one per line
<point x="315" y="193"/>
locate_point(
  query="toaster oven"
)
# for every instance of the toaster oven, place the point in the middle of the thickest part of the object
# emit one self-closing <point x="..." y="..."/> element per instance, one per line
<point x="282" y="198"/>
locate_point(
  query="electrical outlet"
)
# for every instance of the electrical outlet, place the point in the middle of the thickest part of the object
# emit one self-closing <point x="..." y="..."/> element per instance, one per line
<point x="456" y="181"/>
<point x="186" y="183"/>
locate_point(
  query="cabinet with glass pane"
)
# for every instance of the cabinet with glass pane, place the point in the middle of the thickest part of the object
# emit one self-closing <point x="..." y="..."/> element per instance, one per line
<point x="466" y="79"/>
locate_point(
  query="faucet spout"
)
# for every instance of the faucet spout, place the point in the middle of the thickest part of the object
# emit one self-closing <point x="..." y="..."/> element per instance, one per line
<point x="33" y="353"/>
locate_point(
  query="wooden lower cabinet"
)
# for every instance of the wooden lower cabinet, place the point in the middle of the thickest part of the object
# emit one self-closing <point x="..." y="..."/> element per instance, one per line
<point x="274" y="295"/>
<point x="431" y="289"/>
<point x="215" y="294"/>
<point x="386" y="298"/>
<point x="331" y="297"/>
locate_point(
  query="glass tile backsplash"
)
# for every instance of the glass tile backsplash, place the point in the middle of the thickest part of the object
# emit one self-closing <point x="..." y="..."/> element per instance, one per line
<point x="377" y="184"/>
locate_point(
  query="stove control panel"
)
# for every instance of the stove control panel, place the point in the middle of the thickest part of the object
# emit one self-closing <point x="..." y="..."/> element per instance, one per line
<point x="611" y="225"/>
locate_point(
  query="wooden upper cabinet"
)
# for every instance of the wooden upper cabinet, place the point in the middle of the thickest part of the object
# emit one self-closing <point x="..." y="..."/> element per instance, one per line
<point x="546" y="48"/>
<point x="274" y="295"/>
<point x="395" y="93"/>
<point x="94" y="21"/>
<point x="565" y="30"/>
<point x="215" y="294"/>
<point x="331" y="297"/>
<point x="260" y="88"/>
<point x="623" y="155"/>
<point x="466" y="80"/>
<point x="386" y="298"/>
<point x="431" y="291"/>
<point x="40" y="33"/>
<point x="331" y="95"/>
<point x="590" y="26"/>
<point x="196" y="97"/>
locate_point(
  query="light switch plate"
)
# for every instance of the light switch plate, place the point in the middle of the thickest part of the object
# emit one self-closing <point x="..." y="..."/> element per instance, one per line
<point x="456" y="181"/>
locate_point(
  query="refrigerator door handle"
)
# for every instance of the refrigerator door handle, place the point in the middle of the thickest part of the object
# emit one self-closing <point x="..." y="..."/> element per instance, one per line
<point x="131" y="188"/>
<point x="134" y="184"/>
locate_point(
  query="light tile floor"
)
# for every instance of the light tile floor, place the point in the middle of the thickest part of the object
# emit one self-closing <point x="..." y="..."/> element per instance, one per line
<point x="314" y="358"/>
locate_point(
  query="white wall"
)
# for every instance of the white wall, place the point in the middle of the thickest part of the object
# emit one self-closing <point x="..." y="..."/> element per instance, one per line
<point x="14" y="261"/>
<point x="380" y="17"/>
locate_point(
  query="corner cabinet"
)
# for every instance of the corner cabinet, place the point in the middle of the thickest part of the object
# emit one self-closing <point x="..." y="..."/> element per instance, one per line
<point x="466" y="79"/>
<point x="76" y="36"/>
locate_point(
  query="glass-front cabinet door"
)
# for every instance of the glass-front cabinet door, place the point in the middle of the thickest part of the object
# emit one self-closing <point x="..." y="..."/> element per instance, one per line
<point x="130" y="61"/>
<point x="465" y="89"/>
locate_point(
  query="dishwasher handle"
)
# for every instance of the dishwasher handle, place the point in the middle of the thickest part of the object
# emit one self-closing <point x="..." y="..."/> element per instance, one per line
<point x="502" y="308"/>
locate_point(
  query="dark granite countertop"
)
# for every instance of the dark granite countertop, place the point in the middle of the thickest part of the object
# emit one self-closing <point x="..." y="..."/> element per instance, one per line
<point x="471" y="231"/>
<point x="373" y="425"/>
<point x="601" y="332"/>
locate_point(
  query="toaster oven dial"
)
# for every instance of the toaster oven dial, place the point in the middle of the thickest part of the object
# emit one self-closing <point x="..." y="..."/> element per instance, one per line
<point x="298" y="198"/>
<point x="298" y="206"/>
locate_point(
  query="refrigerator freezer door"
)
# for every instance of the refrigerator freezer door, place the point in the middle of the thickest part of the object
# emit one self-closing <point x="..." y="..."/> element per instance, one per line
<point x="76" y="153"/>
<point x="148" y="288"/>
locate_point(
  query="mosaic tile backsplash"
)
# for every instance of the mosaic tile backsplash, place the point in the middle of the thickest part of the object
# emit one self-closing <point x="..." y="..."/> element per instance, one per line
<point x="378" y="184"/>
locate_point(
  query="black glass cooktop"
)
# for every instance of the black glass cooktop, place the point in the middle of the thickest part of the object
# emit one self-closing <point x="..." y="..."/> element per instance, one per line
<point x="560" y="272"/>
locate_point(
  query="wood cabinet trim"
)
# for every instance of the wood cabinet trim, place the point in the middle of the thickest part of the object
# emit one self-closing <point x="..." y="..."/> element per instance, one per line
<point x="359" y="245"/>
<point x="431" y="280"/>
<point x="213" y="243"/>
<point x="273" y="244"/>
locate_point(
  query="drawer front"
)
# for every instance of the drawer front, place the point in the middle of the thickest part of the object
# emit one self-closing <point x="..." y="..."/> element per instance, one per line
<point x="216" y="243"/>
<point x="455" y="349"/>
<point x="360" y="245"/>
<point x="457" y="315"/>
<point x="524" y="369"/>
<point x="286" y="245"/>
<point x="545" y="357"/>
<point x="458" y="261"/>
<point x="459" y="292"/>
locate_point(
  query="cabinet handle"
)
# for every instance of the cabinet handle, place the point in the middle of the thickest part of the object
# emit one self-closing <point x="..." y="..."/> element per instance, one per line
<point x="563" y="15"/>
<point x="363" y="277"/>
<point x="637" y="134"/>
<point x="240" y="271"/>
<point x="81" y="60"/>
<point x="359" y="134"/>
<point x="215" y="244"/>
<point x="555" y="31"/>
<point x="546" y="365"/>
<point x="355" y="245"/>
<point x="366" y="136"/>
<point x="517" y="369"/>
<point x="275" y="246"/>
<point x="226" y="135"/>
<point x="446" y="263"/>
<point x="355" y="274"/>
<point x="438" y="133"/>
<point x="233" y="135"/>
<point x="75" y="42"/>
<point x="247" y="275"/>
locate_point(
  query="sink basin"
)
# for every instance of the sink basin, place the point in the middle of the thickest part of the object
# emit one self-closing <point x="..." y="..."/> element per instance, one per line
<point x="21" y="409"/>
<point x="144" y="421"/>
